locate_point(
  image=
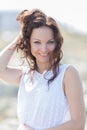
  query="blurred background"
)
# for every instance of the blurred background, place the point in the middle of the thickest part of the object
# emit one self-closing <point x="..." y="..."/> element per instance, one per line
<point x="72" y="18"/>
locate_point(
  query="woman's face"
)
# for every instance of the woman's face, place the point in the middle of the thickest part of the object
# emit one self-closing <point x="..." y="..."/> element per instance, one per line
<point x="42" y="44"/>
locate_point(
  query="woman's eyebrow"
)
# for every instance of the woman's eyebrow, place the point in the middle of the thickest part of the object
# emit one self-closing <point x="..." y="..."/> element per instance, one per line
<point x="36" y="39"/>
<point x="51" y="40"/>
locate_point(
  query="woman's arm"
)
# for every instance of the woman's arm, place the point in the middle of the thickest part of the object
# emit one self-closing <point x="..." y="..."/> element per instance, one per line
<point x="74" y="93"/>
<point x="10" y="75"/>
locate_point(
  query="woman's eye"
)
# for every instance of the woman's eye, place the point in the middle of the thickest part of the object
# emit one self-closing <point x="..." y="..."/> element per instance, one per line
<point x="51" y="42"/>
<point x="36" y="42"/>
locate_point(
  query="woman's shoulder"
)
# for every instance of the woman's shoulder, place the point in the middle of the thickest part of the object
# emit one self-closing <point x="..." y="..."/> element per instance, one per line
<point x="70" y="71"/>
<point x="71" y="74"/>
<point x="68" y="67"/>
<point x="25" y="70"/>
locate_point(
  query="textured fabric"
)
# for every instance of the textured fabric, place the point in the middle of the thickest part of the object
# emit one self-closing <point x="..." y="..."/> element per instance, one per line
<point x="40" y="106"/>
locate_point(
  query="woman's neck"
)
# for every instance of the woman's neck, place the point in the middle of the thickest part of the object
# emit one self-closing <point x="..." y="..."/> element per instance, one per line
<point x="42" y="68"/>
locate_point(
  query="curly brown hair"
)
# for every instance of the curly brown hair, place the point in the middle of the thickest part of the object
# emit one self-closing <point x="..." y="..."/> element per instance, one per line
<point x="36" y="19"/>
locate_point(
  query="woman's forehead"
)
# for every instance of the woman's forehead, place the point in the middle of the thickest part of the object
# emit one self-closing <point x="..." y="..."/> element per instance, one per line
<point x="41" y="33"/>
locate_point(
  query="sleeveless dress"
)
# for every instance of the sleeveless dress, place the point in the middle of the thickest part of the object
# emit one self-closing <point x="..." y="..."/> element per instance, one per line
<point x="41" y="106"/>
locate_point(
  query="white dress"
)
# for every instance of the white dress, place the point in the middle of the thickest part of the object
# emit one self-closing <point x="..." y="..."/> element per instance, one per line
<point x="40" y="106"/>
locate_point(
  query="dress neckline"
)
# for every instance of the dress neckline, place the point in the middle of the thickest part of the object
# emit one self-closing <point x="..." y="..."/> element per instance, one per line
<point x="45" y="71"/>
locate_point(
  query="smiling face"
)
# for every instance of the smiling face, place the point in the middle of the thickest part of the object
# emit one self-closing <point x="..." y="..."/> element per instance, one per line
<point x="42" y="45"/>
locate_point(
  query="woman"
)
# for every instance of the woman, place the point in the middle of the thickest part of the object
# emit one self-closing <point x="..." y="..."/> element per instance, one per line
<point x="50" y="94"/>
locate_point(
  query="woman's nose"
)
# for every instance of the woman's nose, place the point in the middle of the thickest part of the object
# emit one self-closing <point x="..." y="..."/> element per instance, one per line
<point x="44" y="48"/>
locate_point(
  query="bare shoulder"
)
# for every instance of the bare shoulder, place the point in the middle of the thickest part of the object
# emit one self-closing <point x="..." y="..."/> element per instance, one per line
<point x="71" y="73"/>
<point x="71" y="69"/>
<point x="72" y="79"/>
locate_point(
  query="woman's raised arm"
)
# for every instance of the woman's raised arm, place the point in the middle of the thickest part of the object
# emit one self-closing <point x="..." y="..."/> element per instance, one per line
<point x="8" y="74"/>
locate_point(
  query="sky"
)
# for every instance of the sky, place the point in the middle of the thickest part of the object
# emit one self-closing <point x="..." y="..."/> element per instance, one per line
<point x="71" y="12"/>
